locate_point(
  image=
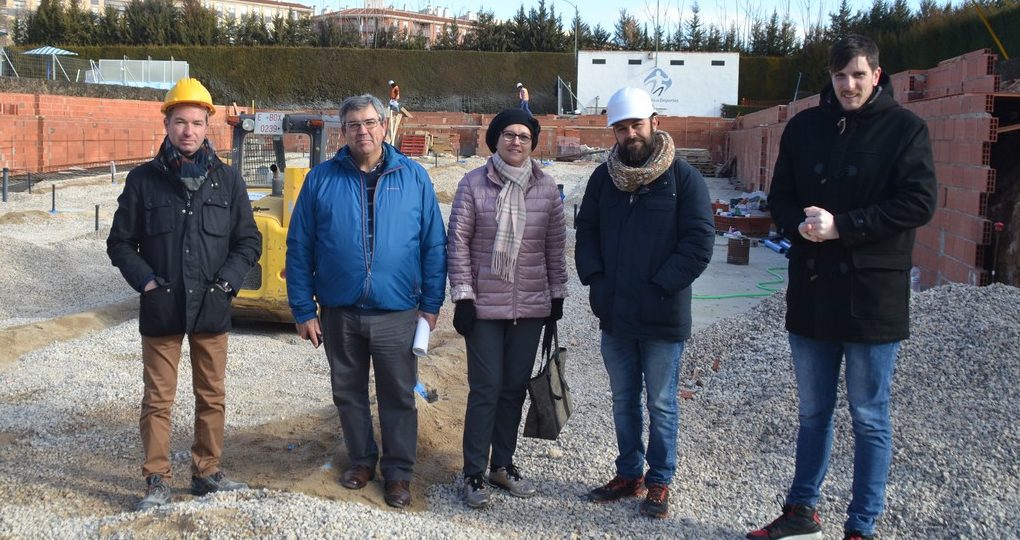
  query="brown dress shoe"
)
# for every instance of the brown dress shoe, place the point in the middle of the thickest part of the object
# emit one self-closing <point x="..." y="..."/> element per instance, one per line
<point x="357" y="476"/>
<point x="398" y="493"/>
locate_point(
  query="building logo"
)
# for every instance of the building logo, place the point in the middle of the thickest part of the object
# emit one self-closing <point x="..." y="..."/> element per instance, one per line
<point x="657" y="81"/>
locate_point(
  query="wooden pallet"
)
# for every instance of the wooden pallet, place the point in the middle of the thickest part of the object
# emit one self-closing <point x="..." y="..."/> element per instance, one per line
<point x="413" y="145"/>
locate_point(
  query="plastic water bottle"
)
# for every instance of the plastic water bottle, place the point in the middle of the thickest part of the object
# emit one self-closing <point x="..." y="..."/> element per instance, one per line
<point x="915" y="279"/>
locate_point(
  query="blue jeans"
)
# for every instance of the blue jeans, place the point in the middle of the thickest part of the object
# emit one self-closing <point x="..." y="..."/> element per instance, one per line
<point x="869" y="372"/>
<point x="525" y="107"/>
<point x="633" y="366"/>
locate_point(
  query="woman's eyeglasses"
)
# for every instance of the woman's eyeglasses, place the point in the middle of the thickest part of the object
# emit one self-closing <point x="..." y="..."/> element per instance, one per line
<point x="509" y="136"/>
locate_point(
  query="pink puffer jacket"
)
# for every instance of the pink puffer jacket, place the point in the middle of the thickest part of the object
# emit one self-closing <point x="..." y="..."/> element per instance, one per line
<point x="541" y="264"/>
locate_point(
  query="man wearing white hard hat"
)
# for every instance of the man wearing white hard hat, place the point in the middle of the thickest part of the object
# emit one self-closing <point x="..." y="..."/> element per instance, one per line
<point x="644" y="234"/>
<point x="522" y="94"/>
<point x="394" y="97"/>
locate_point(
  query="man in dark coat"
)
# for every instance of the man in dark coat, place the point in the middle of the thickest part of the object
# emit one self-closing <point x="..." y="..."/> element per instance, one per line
<point x="184" y="237"/>
<point x="644" y="234"/>
<point x="853" y="180"/>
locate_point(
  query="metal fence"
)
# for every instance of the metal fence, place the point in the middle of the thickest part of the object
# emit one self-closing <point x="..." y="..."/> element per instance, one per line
<point x="52" y="67"/>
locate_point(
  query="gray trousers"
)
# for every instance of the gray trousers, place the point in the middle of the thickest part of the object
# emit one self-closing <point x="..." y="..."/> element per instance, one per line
<point x="501" y="355"/>
<point x="353" y="342"/>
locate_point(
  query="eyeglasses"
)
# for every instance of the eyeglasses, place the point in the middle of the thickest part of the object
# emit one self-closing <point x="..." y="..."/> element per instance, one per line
<point x="509" y="136"/>
<point x="367" y="124"/>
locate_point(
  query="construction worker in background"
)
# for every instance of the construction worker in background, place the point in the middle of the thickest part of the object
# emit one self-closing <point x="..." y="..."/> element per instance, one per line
<point x="644" y="234"/>
<point x="394" y="98"/>
<point x="366" y="257"/>
<point x="854" y="178"/>
<point x="183" y="236"/>
<point x="522" y="94"/>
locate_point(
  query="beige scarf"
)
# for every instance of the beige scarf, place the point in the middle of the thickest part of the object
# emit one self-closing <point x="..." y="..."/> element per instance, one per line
<point x="511" y="216"/>
<point x="629" y="179"/>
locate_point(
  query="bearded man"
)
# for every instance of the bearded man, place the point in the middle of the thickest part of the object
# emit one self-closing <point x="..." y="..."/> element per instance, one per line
<point x="644" y="234"/>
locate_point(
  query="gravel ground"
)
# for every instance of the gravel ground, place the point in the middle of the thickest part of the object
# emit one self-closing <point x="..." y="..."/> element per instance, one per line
<point x="69" y="450"/>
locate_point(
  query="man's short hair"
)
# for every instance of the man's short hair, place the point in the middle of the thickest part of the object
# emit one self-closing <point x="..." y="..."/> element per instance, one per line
<point x="357" y="103"/>
<point x="850" y="47"/>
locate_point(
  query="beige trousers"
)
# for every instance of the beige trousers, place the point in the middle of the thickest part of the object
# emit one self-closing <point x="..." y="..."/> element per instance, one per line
<point x="160" y="356"/>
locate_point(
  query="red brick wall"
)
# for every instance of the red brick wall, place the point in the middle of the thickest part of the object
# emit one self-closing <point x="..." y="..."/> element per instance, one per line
<point x="956" y="100"/>
<point x="47" y="132"/>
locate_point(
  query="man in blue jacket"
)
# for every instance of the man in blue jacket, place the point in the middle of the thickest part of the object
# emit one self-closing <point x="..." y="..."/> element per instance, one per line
<point x="366" y="257"/>
<point x="854" y="178"/>
<point x="644" y="234"/>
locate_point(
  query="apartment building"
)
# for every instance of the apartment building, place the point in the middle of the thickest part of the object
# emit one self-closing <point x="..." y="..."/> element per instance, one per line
<point x="375" y="17"/>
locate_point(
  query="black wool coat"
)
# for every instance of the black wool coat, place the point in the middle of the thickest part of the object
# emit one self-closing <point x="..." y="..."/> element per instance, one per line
<point x="640" y="252"/>
<point x="186" y="242"/>
<point x="873" y="170"/>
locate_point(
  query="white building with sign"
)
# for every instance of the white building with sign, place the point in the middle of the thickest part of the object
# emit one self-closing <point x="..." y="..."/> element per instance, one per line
<point x="681" y="83"/>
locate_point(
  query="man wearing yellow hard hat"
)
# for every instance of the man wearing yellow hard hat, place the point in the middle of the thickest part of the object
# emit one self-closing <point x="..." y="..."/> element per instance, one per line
<point x="184" y="237"/>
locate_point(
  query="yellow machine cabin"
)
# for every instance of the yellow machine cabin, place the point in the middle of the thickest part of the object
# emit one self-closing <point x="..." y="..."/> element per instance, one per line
<point x="273" y="152"/>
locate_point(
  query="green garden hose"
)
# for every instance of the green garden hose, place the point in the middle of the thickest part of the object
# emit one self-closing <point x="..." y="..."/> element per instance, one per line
<point x="764" y="286"/>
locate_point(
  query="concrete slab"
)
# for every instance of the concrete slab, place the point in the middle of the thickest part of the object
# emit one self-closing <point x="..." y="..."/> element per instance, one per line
<point x="737" y="283"/>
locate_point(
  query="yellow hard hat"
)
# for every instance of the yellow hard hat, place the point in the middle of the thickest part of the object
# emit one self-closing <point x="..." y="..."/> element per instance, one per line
<point x="191" y="91"/>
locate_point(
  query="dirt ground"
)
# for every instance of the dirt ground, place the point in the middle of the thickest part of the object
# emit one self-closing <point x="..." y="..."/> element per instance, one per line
<point x="295" y="453"/>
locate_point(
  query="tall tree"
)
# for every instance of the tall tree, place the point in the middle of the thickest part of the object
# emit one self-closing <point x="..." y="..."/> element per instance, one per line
<point x="842" y="22"/>
<point x="601" y="39"/>
<point x="489" y="35"/>
<point x="48" y="23"/>
<point x="695" y="32"/>
<point x="198" y="24"/>
<point x="628" y="34"/>
<point x="80" y="25"/>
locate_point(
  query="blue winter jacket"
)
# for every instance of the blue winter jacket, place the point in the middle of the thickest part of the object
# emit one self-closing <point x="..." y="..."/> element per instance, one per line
<point x="328" y="256"/>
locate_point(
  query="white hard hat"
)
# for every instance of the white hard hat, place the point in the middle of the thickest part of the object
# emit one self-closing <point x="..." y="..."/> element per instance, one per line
<point x="520" y="85"/>
<point x="391" y="82"/>
<point x="629" y="104"/>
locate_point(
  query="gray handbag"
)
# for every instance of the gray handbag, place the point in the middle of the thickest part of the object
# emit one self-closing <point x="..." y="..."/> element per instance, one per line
<point x="550" y="395"/>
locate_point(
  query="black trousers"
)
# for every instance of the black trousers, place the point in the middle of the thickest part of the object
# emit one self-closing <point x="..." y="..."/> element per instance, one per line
<point x="501" y="355"/>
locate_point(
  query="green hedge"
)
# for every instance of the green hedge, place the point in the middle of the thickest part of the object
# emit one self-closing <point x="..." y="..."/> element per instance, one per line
<point x="290" y="77"/>
<point x="322" y="77"/>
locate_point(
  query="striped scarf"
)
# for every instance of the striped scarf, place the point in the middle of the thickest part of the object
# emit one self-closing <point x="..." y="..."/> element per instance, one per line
<point x="511" y="216"/>
<point x="191" y="171"/>
<point x="629" y="179"/>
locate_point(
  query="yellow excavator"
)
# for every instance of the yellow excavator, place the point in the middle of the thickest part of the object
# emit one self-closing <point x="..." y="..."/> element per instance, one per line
<point x="273" y="152"/>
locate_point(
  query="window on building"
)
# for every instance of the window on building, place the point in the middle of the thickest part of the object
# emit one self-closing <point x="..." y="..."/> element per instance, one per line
<point x="676" y="62"/>
<point x="598" y="60"/>
<point x="634" y="62"/>
<point x="718" y="62"/>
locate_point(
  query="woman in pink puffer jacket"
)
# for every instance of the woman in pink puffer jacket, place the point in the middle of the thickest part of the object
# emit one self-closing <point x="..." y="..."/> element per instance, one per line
<point x="508" y="278"/>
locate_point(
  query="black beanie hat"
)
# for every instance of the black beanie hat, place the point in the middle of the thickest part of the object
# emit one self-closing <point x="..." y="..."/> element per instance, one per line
<point x="510" y="117"/>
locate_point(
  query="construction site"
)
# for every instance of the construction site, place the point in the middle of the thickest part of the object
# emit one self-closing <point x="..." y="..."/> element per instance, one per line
<point x="70" y="369"/>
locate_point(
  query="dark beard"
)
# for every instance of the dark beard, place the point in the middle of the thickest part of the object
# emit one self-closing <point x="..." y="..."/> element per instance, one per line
<point x="635" y="158"/>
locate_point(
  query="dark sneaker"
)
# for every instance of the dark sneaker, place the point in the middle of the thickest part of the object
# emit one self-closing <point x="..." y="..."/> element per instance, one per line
<point x="656" y="503"/>
<point x="798" y="522"/>
<point x="214" y="482"/>
<point x="509" y="478"/>
<point x="476" y="493"/>
<point x="618" y="488"/>
<point x="855" y="535"/>
<point x="157" y="493"/>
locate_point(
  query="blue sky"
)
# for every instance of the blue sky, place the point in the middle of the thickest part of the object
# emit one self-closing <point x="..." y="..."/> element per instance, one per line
<point x="607" y="12"/>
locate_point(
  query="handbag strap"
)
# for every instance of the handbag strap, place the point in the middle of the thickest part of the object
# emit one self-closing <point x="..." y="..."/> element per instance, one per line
<point x="550" y="339"/>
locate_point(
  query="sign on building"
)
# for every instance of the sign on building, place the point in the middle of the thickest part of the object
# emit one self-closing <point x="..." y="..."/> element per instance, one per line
<point x="680" y="83"/>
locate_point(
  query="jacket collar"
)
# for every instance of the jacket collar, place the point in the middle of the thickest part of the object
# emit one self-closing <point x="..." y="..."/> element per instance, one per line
<point x="391" y="157"/>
